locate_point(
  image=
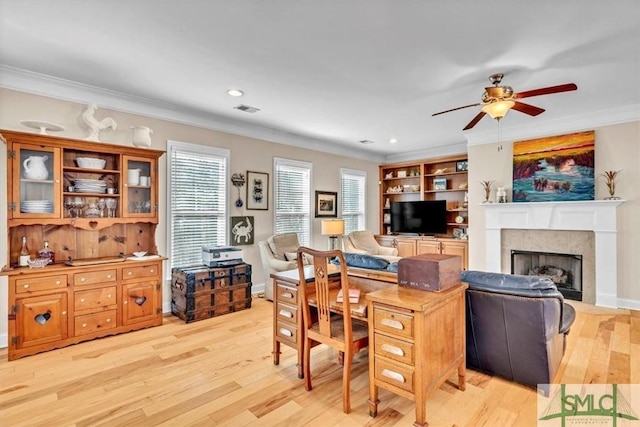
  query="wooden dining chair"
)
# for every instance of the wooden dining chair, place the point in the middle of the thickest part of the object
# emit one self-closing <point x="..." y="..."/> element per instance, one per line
<point x="324" y="326"/>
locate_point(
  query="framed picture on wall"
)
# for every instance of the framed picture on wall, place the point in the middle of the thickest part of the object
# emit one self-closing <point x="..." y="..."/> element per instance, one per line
<point x="242" y="230"/>
<point x="326" y="204"/>
<point x="257" y="190"/>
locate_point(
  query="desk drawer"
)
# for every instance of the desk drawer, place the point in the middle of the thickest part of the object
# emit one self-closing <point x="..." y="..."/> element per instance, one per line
<point x="287" y="294"/>
<point x="287" y="332"/>
<point x="286" y="312"/>
<point x="393" y="322"/>
<point x="396" y="374"/>
<point x="402" y="351"/>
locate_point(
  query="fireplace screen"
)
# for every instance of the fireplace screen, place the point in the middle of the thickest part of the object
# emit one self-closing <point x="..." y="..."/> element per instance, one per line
<point x="565" y="270"/>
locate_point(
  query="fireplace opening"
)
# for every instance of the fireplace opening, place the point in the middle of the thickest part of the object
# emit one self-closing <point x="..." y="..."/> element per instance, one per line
<point x="565" y="270"/>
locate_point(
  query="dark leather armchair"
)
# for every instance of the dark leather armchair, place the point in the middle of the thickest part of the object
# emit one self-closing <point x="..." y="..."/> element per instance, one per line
<point x="516" y="326"/>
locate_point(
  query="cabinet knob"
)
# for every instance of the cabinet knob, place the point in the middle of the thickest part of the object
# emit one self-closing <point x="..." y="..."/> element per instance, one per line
<point x="82" y="279"/>
<point x="64" y="312"/>
<point x="129" y="273"/>
<point x="108" y="320"/>
<point x="58" y="282"/>
<point x="108" y="276"/>
<point x="84" y="325"/>
<point x="151" y="271"/>
<point x="125" y="302"/>
<point x="109" y="296"/>
<point x="26" y="286"/>
<point x="81" y="299"/>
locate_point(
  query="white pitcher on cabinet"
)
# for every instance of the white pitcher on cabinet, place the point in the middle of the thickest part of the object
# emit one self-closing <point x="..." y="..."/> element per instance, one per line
<point x="35" y="167"/>
<point x="141" y="136"/>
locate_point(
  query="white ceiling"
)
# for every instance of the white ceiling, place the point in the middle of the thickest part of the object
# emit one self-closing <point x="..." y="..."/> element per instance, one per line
<point x="332" y="72"/>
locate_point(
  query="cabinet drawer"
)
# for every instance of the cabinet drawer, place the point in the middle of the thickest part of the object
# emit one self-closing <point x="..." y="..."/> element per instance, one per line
<point x="287" y="294"/>
<point x="93" y="277"/>
<point x="286" y="312"/>
<point x="95" y="298"/>
<point x="287" y="332"/>
<point x="402" y="351"/>
<point x="90" y="323"/>
<point x="394" y="373"/>
<point x="36" y="284"/>
<point x="149" y="270"/>
<point x="393" y="322"/>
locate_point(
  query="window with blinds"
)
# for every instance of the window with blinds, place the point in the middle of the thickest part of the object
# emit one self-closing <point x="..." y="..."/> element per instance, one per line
<point x="197" y="194"/>
<point x="353" y="199"/>
<point x="292" y="188"/>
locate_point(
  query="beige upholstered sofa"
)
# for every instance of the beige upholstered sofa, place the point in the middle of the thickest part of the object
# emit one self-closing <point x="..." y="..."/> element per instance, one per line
<point x="278" y="253"/>
<point x="363" y="242"/>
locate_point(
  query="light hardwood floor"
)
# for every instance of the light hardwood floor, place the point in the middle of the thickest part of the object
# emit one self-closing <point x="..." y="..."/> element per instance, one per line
<point x="220" y="372"/>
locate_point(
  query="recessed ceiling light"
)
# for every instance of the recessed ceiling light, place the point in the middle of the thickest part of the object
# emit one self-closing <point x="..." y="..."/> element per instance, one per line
<point x="393" y="141"/>
<point x="235" y="92"/>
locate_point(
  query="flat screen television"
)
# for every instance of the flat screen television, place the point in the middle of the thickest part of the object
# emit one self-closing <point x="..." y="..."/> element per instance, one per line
<point x="419" y="217"/>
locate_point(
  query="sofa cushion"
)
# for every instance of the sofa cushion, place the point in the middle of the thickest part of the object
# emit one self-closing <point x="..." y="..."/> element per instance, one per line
<point x="364" y="240"/>
<point x="393" y="267"/>
<point x="365" y="261"/>
<point x="283" y="243"/>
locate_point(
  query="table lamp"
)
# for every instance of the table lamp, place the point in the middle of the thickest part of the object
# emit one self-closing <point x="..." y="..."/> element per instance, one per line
<point x="333" y="228"/>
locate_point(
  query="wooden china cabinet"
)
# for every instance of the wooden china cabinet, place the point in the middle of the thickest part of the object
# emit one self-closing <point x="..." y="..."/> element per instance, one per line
<point x="95" y="204"/>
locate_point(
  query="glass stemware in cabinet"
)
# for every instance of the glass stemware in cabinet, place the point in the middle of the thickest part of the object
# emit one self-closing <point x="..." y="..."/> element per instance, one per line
<point x="101" y="205"/>
<point x="111" y="207"/>
<point x="78" y="204"/>
<point x="68" y="205"/>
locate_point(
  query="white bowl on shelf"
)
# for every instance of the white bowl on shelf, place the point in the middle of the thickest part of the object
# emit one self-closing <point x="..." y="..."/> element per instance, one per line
<point x="139" y="254"/>
<point x="91" y="162"/>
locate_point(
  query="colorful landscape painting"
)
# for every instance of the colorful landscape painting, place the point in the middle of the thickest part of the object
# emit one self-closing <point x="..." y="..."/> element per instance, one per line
<point x="557" y="168"/>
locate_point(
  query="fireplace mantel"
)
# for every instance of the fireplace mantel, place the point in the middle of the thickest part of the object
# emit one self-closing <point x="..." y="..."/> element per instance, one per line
<point x="598" y="216"/>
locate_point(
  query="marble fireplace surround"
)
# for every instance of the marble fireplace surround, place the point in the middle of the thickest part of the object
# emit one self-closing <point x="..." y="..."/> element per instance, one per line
<point x="598" y="216"/>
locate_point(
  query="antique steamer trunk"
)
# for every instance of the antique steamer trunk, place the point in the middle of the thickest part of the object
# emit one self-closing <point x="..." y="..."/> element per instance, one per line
<point x="429" y="272"/>
<point x="200" y="292"/>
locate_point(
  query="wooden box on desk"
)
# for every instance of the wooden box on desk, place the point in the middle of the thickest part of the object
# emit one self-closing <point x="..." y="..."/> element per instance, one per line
<point x="429" y="272"/>
<point x="200" y="292"/>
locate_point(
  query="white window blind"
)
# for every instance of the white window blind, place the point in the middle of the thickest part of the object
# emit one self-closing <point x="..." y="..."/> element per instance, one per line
<point x="292" y="187"/>
<point x="353" y="199"/>
<point x="197" y="201"/>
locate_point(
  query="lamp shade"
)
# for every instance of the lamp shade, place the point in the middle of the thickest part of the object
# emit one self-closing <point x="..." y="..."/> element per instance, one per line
<point x="498" y="109"/>
<point x="332" y="227"/>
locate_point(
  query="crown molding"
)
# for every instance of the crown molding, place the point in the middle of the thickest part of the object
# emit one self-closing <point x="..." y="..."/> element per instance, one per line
<point x="542" y="128"/>
<point x="67" y="90"/>
<point x="442" y="151"/>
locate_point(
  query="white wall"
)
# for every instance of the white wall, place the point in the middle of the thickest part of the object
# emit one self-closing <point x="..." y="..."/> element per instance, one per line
<point x="617" y="148"/>
<point x="246" y="154"/>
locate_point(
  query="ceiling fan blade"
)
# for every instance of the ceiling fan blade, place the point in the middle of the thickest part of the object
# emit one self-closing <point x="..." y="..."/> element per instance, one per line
<point x="546" y="90"/>
<point x="475" y="120"/>
<point x="527" y="109"/>
<point x="454" y="109"/>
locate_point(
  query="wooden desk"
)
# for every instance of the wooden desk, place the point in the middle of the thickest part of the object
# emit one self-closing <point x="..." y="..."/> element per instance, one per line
<point x="416" y="342"/>
<point x="288" y="325"/>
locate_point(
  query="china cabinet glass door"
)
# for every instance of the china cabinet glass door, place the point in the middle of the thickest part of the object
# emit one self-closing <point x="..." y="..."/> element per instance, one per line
<point x="36" y="181"/>
<point x="139" y="192"/>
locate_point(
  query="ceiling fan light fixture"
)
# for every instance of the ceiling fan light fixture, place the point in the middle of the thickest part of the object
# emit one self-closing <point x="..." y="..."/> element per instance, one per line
<point x="498" y="109"/>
